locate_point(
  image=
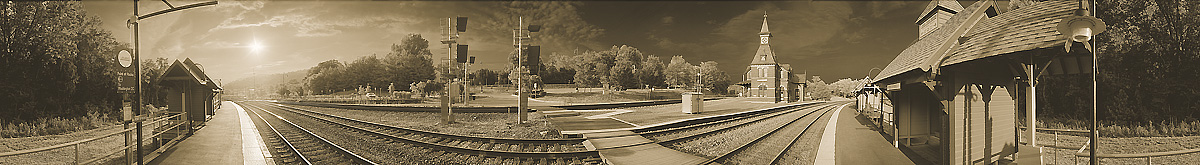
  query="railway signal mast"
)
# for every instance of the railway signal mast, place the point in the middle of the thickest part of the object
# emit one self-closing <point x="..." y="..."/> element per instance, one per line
<point x="520" y="35"/>
<point x="457" y="53"/>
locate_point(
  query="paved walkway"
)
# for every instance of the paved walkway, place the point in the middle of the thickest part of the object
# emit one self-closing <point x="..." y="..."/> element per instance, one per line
<point x="626" y="147"/>
<point x="229" y="138"/>
<point x="851" y="140"/>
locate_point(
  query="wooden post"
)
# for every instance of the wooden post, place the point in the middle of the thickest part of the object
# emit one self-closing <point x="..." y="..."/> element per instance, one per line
<point x="1031" y="113"/>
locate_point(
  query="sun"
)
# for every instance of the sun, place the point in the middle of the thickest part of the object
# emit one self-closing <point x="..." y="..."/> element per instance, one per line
<point x="256" y="47"/>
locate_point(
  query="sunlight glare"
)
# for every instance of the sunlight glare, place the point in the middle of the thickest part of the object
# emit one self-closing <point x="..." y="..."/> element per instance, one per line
<point x="256" y="47"/>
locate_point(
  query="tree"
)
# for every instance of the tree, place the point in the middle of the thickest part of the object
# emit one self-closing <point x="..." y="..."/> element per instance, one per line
<point x="152" y="93"/>
<point x="818" y="90"/>
<point x="484" y="77"/>
<point x="680" y="73"/>
<point x="627" y="60"/>
<point x="713" y="78"/>
<point x="57" y="62"/>
<point x="651" y="72"/>
<point x="409" y="61"/>
<point x="591" y="69"/>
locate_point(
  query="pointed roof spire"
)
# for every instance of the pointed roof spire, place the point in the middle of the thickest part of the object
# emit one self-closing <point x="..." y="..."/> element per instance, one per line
<point x="764" y="25"/>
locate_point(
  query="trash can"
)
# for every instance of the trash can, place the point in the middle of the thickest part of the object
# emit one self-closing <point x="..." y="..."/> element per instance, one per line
<point x="693" y="103"/>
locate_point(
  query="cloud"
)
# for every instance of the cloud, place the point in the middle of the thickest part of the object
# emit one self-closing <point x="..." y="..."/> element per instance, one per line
<point x="563" y="27"/>
<point x="269" y="65"/>
<point x="219" y="45"/>
<point x="312" y="20"/>
<point x="668" y="20"/>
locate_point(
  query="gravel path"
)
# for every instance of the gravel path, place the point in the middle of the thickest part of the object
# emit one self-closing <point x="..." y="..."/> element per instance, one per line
<point x="474" y="124"/>
<point x="715" y="144"/>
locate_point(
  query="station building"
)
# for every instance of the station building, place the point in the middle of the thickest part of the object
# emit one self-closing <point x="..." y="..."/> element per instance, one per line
<point x="190" y="90"/>
<point x="961" y="91"/>
<point x="768" y="79"/>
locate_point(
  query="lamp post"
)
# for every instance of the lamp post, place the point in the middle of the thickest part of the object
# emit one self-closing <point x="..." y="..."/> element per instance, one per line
<point x="137" y="106"/>
<point x="1081" y="27"/>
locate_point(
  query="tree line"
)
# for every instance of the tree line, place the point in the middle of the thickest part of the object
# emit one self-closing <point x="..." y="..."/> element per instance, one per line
<point x="56" y="61"/>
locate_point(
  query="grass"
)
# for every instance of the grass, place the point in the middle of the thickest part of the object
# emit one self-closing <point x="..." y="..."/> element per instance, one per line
<point x="54" y="126"/>
<point x="1120" y="130"/>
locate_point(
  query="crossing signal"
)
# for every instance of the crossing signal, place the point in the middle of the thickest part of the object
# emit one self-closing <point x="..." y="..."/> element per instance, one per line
<point x="535" y="61"/>
<point x="462" y="24"/>
<point x="462" y="54"/>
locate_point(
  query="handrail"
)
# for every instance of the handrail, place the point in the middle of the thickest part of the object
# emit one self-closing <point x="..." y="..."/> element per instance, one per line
<point x="27" y="151"/>
<point x="1141" y="155"/>
<point x="1133" y="155"/>
<point x="1058" y="130"/>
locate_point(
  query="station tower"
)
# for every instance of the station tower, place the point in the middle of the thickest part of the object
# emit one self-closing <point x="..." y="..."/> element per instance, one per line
<point x="767" y="78"/>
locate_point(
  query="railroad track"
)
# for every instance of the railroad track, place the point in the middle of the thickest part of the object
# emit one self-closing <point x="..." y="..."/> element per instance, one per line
<point x="669" y="134"/>
<point x="480" y="149"/>
<point x="769" y="148"/>
<point x="782" y="127"/>
<point x="293" y="144"/>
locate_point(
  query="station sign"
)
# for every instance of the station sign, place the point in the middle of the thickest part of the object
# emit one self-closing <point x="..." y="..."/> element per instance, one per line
<point x="126" y="78"/>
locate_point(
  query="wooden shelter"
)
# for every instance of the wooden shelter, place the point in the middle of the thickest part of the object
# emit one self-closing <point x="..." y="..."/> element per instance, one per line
<point x="190" y="90"/>
<point x="959" y="92"/>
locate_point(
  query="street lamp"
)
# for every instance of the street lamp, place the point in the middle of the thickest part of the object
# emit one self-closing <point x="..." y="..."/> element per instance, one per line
<point x="137" y="108"/>
<point x="1081" y="27"/>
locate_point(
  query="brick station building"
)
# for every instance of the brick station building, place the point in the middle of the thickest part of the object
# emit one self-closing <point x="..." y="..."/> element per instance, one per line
<point x="767" y="78"/>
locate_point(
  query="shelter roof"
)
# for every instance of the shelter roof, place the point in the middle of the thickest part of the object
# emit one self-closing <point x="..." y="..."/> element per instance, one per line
<point x="1025" y="28"/>
<point x="921" y="50"/>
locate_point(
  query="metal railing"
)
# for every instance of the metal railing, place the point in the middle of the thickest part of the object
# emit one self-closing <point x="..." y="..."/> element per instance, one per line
<point x="156" y="123"/>
<point x="1149" y="156"/>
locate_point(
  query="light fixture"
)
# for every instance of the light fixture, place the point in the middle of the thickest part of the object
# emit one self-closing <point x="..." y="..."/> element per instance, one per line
<point x="1080" y="28"/>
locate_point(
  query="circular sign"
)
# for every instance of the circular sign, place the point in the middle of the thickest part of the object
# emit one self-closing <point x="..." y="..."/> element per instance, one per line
<point x="125" y="58"/>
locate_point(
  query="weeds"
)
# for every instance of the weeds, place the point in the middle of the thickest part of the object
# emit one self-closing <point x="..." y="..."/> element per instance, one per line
<point x="53" y="126"/>
<point x="1121" y="130"/>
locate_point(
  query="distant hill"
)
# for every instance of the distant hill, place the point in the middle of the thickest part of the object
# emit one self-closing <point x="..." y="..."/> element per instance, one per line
<point x="264" y="85"/>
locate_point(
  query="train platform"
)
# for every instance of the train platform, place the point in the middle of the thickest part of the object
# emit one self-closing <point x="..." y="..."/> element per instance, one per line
<point x="230" y="137"/>
<point x="626" y="147"/>
<point x="853" y="140"/>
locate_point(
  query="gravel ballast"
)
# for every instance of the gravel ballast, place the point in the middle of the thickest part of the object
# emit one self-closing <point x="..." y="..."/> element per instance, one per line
<point x="717" y="143"/>
<point x="497" y="125"/>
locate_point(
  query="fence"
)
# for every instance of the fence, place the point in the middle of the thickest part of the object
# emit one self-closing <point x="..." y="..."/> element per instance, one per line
<point x="1149" y="156"/>
<point x="169" y="123"/>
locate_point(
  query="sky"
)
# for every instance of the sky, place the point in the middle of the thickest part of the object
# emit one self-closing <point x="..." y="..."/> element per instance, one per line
<point x="239" y="39"/>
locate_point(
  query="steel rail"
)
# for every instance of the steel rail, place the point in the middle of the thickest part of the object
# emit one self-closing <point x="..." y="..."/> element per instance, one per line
<point x="469" y="151"/>
<point x="726" y="155"/>
<point x="789" y="110"/>
<point x="307" y="132"/>
<point x="513" y="140"/>
<point x="793" y="142"/>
